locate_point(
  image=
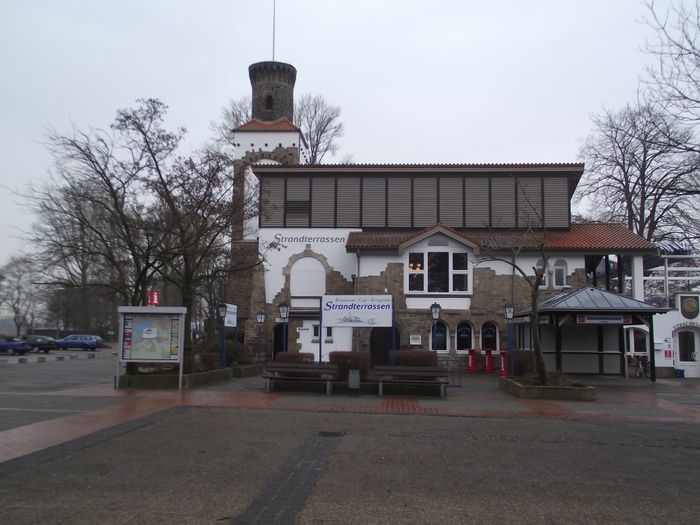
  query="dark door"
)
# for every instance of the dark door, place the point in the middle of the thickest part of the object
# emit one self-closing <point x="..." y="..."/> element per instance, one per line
<point x="278" y="343"/>
<point x="380" y="344"/>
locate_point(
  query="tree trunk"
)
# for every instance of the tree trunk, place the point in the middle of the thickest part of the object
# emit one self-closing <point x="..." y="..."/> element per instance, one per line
<point x="536" y="342"/>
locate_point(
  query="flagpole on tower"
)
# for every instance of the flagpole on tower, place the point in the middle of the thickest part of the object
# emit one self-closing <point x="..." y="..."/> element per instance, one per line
<point x="274" y="6"/>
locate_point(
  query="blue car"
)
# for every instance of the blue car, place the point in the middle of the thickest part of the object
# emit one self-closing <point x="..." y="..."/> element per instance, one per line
<point x="9" y="345"/>
<point x="86" y="342"/>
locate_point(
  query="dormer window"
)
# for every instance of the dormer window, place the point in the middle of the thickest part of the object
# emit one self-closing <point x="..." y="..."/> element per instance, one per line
<point x="438" y="271"/>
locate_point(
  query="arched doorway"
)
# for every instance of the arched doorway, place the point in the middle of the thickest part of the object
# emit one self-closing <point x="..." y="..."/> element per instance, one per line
<point x="380" y="344"/>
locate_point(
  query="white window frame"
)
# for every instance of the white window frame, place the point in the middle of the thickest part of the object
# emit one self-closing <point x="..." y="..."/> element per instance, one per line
<point x="560" y="264"/>
<point x="451" y="271"/>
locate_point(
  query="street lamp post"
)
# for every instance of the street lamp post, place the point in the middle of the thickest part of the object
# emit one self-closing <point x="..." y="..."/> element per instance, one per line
<point x="260" y="318"/>
<point x="435" y="312"/>
<point x="222" y="350"/>
<point x="284" y="314"/>
<point x="508" y="311"/>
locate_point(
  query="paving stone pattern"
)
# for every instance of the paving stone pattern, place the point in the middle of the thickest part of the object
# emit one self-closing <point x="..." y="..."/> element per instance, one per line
<point x="284" y="496"/>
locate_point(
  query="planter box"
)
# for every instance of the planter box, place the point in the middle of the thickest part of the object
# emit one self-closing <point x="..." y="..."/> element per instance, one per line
<point x="247" y="370"/>
<point x="366" y="387"/>
<point x="167" y="381"/>
<point x="565" y="393"/>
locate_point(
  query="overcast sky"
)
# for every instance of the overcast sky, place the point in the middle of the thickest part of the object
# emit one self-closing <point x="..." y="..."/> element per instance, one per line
<point x="418" y="81"/>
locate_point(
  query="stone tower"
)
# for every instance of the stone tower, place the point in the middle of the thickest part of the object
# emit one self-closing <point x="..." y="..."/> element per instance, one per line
<point x="273" y="90"/>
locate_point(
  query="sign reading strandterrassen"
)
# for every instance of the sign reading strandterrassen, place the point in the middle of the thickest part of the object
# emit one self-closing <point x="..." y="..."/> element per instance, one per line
<point x="359" y="311"/>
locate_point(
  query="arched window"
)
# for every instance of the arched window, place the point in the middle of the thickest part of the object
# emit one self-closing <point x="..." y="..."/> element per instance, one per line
<point x="308" y="278"/>
<point x="464" y="336"/>
<point x="439" y="337"/>
<point x="489" y="336"/>
<point x="560" y="273"/>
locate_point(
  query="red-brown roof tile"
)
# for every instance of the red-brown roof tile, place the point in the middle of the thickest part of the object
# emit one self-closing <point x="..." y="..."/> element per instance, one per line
<point x="282" y="124"/>
<point x="596" y="237"/>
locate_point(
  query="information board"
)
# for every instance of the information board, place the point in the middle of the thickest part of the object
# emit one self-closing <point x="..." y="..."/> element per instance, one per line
<point x="150" y="334"/>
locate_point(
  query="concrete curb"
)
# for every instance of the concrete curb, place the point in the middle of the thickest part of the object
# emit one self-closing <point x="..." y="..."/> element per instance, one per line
<point x="24" y="359"/>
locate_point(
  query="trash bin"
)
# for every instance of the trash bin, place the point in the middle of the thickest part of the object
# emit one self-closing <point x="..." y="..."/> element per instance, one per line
<point x="679" y="373"/>
<point x="354" y="380"/>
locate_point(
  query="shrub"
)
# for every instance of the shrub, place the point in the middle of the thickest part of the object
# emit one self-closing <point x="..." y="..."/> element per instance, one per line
<point x="295" y="357"/>
<point x="524" y="362"/>
<point x="209" y="361"/>
<point x="351" y="361"/>
<point x="416" y="358"/>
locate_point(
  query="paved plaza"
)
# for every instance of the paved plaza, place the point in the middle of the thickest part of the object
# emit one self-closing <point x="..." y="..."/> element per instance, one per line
<point x="74" y="450"/>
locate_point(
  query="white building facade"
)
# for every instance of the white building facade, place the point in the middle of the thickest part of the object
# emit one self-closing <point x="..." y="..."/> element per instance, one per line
<point x="426" y="235"/>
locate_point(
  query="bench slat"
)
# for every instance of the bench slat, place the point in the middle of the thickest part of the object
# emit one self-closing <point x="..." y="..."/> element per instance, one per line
<point x="398" y="375"/>
<point x="307" y="372"/>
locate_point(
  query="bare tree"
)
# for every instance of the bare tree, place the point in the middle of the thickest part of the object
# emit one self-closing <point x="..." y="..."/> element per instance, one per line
<point x="676" y="77"/>
<point x="636" y="174"/>
<point x="192" y="198"/>
<point x="320" y="124"/>
<point x="19" y="291"/>
<point x="318" y="121"/>
<point x="125" y="209"/>
<point x="510" y="250"/>
<point x="234" y="115"/>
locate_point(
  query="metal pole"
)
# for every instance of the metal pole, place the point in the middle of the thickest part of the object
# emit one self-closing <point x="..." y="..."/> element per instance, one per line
<point x="511" y="349"/>
<point x="222" y="352"/>
<point x="393" y="334"/>
<point x="652" y="350"/>
<point x="320" y="336"/>
<point x="284" y="340"/>
<point x="257" y="342"/>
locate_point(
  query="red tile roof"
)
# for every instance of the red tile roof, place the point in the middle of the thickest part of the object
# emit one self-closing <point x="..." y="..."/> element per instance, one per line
<point x="596" y="237"/>
<point x="282" y="124"/>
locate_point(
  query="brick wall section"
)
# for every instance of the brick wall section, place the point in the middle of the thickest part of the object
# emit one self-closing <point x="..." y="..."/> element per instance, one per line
<point x="492" y="293"/>
<point x="246" y="278"/>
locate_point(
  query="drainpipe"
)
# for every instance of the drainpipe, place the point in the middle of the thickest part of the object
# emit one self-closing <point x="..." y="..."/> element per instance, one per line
<point x="511" y="343"/>
<point x="356" y="335"/>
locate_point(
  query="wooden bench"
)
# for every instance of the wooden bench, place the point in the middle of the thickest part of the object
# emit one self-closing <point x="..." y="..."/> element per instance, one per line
<point x="300" y="372"/>
<point x="419" y="375"/>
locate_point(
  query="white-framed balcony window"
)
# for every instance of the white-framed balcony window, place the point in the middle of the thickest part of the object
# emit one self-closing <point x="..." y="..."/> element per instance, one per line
<point x="560" y="274"/>
<point x="438" y="272"/>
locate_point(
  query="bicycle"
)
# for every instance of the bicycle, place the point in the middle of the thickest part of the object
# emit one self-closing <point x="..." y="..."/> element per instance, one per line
<point x="641" y="367"/>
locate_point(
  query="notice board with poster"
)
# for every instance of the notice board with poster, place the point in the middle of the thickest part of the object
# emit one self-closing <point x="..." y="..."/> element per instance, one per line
<point x="152" y="334"/>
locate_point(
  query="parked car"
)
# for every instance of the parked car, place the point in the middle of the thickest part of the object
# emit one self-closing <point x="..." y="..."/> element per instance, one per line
<point x="86" y="342"/>
<point x="40" y="343"/>
<point x="10" y="345"/>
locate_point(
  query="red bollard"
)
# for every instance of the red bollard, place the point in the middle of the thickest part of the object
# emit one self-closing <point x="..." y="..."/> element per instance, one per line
<point x="504" y="363"/>
<point x="471" y="362"/>
<point x="488" y="365"/>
